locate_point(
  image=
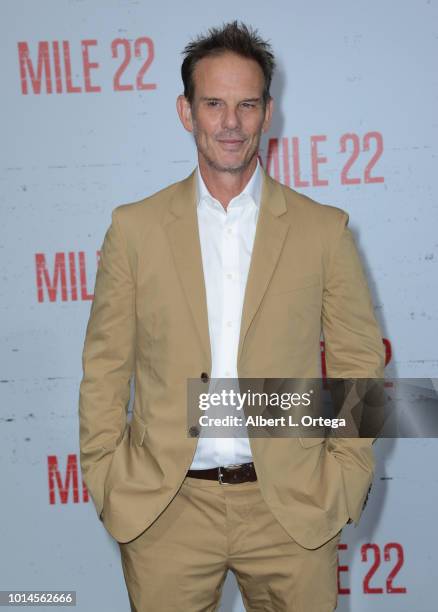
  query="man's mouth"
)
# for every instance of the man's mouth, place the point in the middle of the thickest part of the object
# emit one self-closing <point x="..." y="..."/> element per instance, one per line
<point x="230" y="144"/>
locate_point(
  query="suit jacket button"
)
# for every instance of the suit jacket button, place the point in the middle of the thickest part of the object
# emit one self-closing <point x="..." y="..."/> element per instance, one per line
<point x="205" y="377"/>
<point x="194" y="431"/>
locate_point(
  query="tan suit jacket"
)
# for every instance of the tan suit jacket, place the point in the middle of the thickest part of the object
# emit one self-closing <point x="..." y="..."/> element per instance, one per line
<point x="149" y="318"/>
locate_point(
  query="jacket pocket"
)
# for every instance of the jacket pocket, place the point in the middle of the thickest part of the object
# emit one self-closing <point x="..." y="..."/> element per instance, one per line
<point x="309" y="442"/>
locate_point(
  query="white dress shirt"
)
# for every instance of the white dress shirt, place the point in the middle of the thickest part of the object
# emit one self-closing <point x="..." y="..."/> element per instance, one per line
<point x="227" y="238"/>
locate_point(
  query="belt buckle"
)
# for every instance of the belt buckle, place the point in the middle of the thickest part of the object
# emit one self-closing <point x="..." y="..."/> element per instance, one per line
<point x="220" y="477"/>
<point x="232" y="466"/>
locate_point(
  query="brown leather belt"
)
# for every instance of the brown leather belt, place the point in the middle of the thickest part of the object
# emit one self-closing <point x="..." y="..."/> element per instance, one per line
<point x="228" y="474"/>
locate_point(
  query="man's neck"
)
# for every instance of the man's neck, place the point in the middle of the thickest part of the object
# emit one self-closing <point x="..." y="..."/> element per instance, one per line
<point x="224" y="186"/>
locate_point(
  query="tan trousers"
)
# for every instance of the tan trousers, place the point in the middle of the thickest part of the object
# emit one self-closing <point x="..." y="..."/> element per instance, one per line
<point x="180" y="562"/>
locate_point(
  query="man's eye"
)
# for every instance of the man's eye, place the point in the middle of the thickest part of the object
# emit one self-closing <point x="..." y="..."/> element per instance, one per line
<point x="213" y="103"/>
<point x="248" y="104"/>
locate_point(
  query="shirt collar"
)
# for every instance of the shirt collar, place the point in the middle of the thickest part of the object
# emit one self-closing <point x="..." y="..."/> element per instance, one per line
<point x="253" y="188"/>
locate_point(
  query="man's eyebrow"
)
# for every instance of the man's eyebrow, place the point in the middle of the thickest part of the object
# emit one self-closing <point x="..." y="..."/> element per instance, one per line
<point x="209" y="98"/>
<point x="213" y="98"/>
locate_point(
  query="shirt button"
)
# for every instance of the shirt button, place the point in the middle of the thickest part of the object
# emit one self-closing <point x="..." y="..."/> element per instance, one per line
<point x="229" y="276"/>
<point x="229" y="231"/>
<point x="229" y="323"/>
<point x="228" y="373"/>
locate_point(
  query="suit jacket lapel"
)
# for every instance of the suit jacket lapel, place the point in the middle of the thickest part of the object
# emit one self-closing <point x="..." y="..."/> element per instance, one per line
<point x="181" y="225"/>
<point x="270" y="235"/>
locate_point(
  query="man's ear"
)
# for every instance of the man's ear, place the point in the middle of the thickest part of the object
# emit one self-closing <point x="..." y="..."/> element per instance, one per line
<point x="185" y="112"/>
<point x="268" y="115"/>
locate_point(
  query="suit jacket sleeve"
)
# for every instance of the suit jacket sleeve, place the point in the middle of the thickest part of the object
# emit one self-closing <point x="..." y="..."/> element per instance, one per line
<point x="353" y="349"/>
<point x="108" y="362"/>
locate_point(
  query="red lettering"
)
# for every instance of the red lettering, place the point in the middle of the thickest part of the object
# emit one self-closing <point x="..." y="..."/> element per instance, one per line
<point x="67" y="62"/>
<point x="124" y="43"/>
<point x="83" y="277"/>
<point x="342" y="568"/>
<point x="73" y="282"/>
<point x="377" y="136"/>
<point x="296" y="161"/>
<point x="57" y="64"/>
<point x="367" y="588"/>
<point x="390" y="588"/>
<point x="345" y="179"/>
<point x="89" y="65"/>
<point x="145" y="66"/>
<point x="27" y="68"/>
<point x="70" y="481"/>
<point x="286" y="177"/>
<point x="317" y="161"/>
<point x="59" y="278"/>
<point x="43" y="277"/>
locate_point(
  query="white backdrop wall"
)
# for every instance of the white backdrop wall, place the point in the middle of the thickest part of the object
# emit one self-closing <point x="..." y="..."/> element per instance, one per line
<point x="88" y="122"/>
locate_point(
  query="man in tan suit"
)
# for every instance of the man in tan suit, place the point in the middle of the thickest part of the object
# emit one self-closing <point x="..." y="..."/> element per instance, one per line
<point x="224" y="274"/>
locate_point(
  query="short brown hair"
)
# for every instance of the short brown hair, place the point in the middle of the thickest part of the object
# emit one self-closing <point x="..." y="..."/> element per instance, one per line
<point x="233" y="37"/>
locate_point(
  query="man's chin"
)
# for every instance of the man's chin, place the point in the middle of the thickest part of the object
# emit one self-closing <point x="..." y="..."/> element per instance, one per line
<point x="231" y="168"/>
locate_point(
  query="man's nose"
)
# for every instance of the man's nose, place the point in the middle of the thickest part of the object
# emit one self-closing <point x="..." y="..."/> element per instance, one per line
<point x="230" y="119"/>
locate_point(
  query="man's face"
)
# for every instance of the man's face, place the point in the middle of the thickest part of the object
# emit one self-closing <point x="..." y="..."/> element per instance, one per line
<point x="227" y="116"/>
